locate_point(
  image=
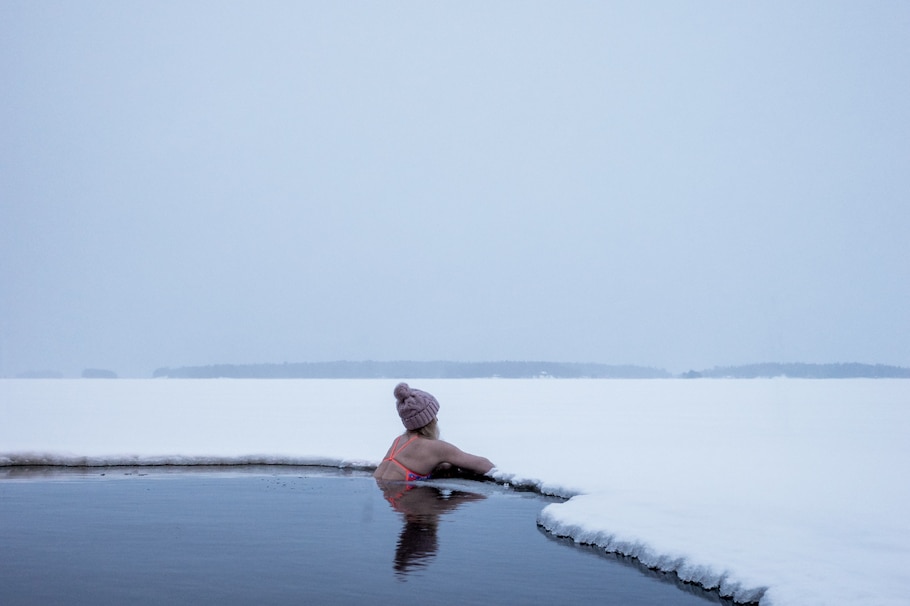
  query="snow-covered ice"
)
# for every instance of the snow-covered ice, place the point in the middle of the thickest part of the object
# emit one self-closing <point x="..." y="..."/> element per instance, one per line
<point x="791" y="491"/>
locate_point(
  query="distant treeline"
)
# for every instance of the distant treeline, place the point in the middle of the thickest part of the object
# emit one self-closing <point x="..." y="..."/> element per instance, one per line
<point x="414" y="370"/>
<point x="803" y="371"/>
<point x="98" y="373"/>
<point x="521" y="370"/>
<point x="505" y="370"/>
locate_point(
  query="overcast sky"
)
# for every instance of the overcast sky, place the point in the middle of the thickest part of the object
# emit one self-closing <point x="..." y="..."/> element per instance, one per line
<point x="671" y="184"/>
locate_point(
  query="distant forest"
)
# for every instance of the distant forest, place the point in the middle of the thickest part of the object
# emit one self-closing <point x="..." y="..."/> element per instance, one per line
<point x="802" y="371"/>
<point x="413" y="370"/>
<point x="521" y="370"/>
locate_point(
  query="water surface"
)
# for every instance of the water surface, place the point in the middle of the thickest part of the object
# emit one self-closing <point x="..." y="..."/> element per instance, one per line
<point x="270" y="535"/>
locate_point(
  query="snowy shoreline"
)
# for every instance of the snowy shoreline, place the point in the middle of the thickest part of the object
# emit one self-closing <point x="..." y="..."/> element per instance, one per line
<point x="780" y="489"/>
<point x="35" y="459"/>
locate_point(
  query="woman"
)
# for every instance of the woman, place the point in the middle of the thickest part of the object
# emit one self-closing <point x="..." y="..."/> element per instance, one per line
<point x="418" y="452"/>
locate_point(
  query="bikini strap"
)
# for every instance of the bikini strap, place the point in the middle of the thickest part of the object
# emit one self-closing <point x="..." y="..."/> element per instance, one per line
<point x="396" y="450"/>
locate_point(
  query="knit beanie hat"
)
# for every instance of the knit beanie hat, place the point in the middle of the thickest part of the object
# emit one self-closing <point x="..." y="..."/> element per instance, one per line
<point x="416" y="408"/>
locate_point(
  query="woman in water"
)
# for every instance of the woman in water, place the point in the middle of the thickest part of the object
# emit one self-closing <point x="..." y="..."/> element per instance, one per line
<point x="418" y="452"/>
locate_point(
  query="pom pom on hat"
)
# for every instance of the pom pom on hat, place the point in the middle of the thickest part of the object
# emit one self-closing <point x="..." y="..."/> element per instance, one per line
<point x="402" y="391"/>
<point x="415" y="407"/>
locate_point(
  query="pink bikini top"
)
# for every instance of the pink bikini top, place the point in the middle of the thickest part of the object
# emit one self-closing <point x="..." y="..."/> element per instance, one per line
<point x="409" y="475"/>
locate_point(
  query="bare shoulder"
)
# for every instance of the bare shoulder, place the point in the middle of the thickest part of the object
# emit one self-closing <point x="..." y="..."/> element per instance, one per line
<point x="441" y="446"/>
<point x="447" y="452"/>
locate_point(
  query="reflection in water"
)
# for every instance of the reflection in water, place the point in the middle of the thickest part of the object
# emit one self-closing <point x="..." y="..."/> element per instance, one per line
<point x="420" y="506"/>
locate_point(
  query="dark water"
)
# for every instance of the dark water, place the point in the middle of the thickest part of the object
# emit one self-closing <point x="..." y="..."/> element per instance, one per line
<point x="295" y="536"/>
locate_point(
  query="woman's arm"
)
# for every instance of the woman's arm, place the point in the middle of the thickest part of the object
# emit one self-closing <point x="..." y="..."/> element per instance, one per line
<point x="449" y="453"/>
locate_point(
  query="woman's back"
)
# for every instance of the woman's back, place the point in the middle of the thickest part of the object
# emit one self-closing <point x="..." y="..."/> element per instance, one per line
<point x="407" y="459"/>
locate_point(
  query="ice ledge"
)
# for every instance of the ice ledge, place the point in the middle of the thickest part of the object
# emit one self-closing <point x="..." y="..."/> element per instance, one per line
<point x="725" y="583"/>
<point x="35" y="459"/>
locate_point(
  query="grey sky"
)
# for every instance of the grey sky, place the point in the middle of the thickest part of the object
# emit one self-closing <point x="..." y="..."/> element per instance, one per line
<point x="678" y="184"/>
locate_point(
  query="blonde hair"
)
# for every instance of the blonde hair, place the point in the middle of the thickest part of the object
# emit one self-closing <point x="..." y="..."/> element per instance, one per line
<point x="429" y="431"/>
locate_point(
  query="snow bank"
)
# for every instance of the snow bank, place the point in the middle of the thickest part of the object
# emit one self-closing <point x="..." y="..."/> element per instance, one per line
<point x="787" y="491"/>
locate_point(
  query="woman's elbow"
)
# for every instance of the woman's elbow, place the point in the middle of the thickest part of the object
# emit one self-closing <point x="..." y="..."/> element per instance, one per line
<point x="486" y="465"/>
